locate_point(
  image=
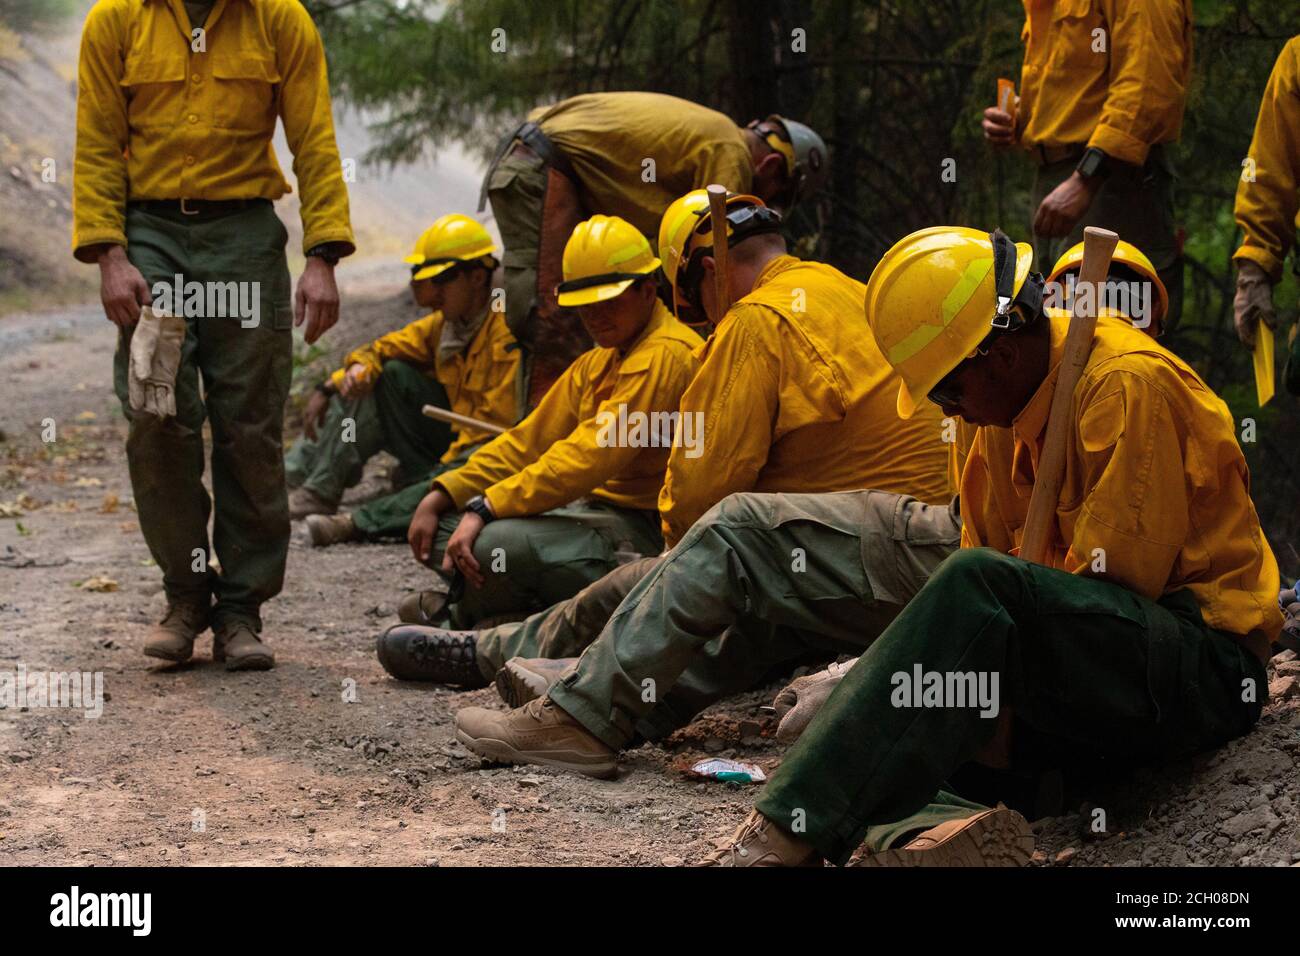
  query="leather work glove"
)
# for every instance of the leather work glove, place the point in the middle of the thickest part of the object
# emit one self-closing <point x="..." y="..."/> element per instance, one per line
<point x="1253" y="301"/>
<point x="155" y="358"/>
<point x="799" y="701"/>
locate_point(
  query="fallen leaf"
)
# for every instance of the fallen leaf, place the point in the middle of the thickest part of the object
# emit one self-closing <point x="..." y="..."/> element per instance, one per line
<point x="88" y="483"/>
<point x="10" y="509"/>
<point x="100" y="582"/>
<point x="109" y="505"/>
<point x="87" y="416"/>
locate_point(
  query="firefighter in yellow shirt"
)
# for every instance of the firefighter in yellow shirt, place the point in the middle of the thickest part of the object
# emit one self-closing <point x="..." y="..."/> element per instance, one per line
<point x="794" y="398"/>
<point x="461" y="357"/>
<point x="1268" y="199"/>
<point x="558" y="500"/>
<point x="174" y="179"/>
<point x="1144" y="638"/>
<point x="1102" y="91"/>
<point x="624" y="154"/>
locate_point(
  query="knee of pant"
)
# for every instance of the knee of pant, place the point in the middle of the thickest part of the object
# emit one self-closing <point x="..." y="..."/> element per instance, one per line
<point x="495" y="543"/>
<point x="966" y="565"/>
<point x="399" y="371"/>
<point x="741" y="508"/>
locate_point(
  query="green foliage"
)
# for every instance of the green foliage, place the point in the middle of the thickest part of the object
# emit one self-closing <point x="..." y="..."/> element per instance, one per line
<point x="27" y="15"/>
<point x="895" y="86"/>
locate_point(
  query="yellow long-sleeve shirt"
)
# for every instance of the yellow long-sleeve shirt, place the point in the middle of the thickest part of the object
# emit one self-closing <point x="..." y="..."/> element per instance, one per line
<point x="572" y="445"/>
<point x="795" y="396"/>
<point x="1267" y="206"/>
<point x="157" y="119"/>
<point x="1155" y="485"/>
<point x="480" y="381"/>
<point x="608" y="137"/>
<point x="1107" y="73"/>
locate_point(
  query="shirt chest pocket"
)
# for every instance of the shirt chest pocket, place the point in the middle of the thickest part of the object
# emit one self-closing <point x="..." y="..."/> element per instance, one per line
<point x="245" y="86"/>
<point x="1080" y="38"/>
<point x="153" y="84"/>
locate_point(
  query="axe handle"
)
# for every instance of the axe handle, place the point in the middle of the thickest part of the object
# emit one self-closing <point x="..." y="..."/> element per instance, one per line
<point x="721" y="249"/>
<point x="1098" y="246"/>
<point x="442" y="415"/>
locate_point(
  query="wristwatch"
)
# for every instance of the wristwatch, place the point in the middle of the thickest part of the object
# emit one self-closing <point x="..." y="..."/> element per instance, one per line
<point x="1092" y="163"/>
<point x="479" y="505"/>
<point x="326" y="251"/>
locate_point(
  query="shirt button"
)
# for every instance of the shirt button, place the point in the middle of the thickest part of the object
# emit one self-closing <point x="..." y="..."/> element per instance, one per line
<point x="189" y="160"/>
<point x="196" y="78"/>
<point x="193" y="118"/>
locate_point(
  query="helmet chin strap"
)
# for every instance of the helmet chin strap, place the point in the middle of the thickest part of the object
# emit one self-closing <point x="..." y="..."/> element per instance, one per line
<point x="1030" y="296"/>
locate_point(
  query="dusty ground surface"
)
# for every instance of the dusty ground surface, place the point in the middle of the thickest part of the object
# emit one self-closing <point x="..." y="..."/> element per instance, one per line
<point x="281" y="770"/>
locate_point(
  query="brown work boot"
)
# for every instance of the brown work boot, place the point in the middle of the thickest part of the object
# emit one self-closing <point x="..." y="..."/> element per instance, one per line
<point x="238" y="645"/>
<point x="760" y="842"/>
<point x="172" y="638"/>
<point x="423" y="607"/>
<point x="537" y="733"/>
<point x="304" y="502"/>
<point x="324" y="530"/>
<point x="997" y="837"/>
<point x="527" y="678"/>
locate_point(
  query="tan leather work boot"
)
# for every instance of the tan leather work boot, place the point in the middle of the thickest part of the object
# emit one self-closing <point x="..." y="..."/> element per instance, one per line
<point x="304" y="502"/>
<point x="238" y="645"/>
<point x="325" y="530"/>
<point x="423" y="607"/>
<point x="997" y="837"/>
<point x="760" y="842"/>
<point x="172" y="638"/>
<point x="527" y="678"/>
<point x="537" y="733"/>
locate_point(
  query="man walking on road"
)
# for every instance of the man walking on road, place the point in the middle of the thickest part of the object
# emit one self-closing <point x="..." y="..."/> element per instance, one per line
<point x="175" y="176"/>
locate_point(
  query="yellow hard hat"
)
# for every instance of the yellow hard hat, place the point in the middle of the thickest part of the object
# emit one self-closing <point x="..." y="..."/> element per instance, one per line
<point x="604" y="255"/>
<point x="687" y="229"/>
<point x="935" y="296"/>
<point x="1126" y="254"/>
<point x="451" y="239"/>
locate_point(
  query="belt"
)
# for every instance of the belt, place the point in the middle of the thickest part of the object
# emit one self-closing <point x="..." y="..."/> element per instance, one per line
<point x="1046" y="155"/>
<point x="196" y="207"/>
<point x="531" y="135"/>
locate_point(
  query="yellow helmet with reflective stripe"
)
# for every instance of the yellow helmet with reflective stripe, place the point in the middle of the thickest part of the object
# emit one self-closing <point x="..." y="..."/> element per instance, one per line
<point x="935" y="296"/>
<point x="687" y="229"/>
<point x="1129" y="255"/>
<point x="604" y="255"/>
<point x="450" y="240"/>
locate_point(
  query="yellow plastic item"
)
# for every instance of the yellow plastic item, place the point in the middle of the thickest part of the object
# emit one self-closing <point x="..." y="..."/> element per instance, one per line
<point x="450" y="240"/>
<point x="930" y="302"/>
<point x="602" y="258"/>
<point x="1263" y="364"/>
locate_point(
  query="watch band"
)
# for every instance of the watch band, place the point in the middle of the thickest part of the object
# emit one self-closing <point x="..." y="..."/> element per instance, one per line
<point x="479" y="505"/>
<point x="324" y="251"/>
<point x="1092" y="163"/>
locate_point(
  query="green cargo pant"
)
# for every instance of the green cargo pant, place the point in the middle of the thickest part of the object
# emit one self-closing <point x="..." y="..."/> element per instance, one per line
<point x="1136" y="202"/>
<point x="389" y="516"/>
<point x="1089" y="670"/>
<point x="531" y="563"/>
<point x="354" y="430"/>
<point x="760" y="581"/>
<point x="236" y="377"/>
<point x="534" y="206"/>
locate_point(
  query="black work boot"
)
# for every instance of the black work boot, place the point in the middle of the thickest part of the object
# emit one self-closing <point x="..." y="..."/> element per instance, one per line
<point x="416" y="652"/>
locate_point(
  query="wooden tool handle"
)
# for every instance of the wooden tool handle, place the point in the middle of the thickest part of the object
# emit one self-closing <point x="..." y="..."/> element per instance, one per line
<point x="721" y="250"/>
<point x="442" y="415"/>
<point x="1098" y="247"/>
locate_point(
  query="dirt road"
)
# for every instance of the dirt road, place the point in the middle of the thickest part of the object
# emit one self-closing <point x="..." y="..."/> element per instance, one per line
<point x="191" y="765"/>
